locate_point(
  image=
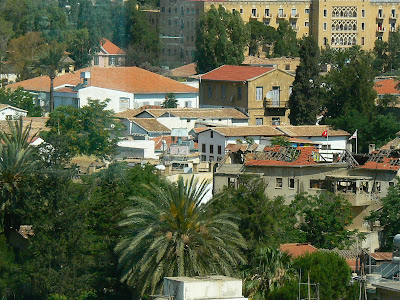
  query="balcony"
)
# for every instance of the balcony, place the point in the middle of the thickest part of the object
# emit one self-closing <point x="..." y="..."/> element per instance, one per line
<point x="254" y="16"/>
<point x="394" y="16"/>
<point x="276" y="104"/>
<point x="267" y="16"/>
<point x="295" y="16"/>
<point x="281" y="16"/>
<point x="380" y="16"/>
<point x="381" y="29"/>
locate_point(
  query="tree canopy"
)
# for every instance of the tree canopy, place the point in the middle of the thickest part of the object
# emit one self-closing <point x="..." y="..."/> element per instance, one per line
<point x="221" y="38"/>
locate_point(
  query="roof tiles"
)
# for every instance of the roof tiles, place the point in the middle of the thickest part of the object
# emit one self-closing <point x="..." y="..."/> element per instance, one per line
<point x="310" y="131"/>
<point x="150" y="125"/>
<point x="386" y="86"/>
<point x="297" y="249"/>
<point x="235" y="73"/>
<point x="262" y="130"/>
<point x="111" y="48"/>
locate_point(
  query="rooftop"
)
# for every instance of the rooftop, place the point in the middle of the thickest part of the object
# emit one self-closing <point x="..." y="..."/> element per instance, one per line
<point x="386" y="86"/>
<point x="383" y="160"/>
<point x="235" y="73"/>
<point x="297" y="249"/>
<point x="4" y="106"/>
<point x="126" y="79"/>
<point x="150" y="125"/>
<point x="184" y="71"/>
<point x="111" y="48"/>
<point x="310" y="131"/>
<point x="239" y="131"/>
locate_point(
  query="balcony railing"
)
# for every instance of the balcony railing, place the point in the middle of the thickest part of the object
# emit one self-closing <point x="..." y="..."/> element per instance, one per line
<point x="295" y="16"/>
<point x="254" y="16"/>
<point x="394" y="16"/>
<point x="381" y="29"/>
<point x="276" y="104"/>
<point x="381" y="16"/>
<point x="281" y="16"/>
<point x="268" y="16"/>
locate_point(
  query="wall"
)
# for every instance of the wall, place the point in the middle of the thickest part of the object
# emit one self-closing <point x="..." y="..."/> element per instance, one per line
<point x="204" y="138"/>
<point x="146" y="147"/>
<point x="102" y="94"/>
<point x="158" y="99"/>
<point x="11" y="112"/>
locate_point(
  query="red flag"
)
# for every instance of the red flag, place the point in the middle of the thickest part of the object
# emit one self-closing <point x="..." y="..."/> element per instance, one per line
<point x="325" y="133"/>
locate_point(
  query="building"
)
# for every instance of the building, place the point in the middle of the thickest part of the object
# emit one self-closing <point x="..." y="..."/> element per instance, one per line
<point x="297" y="249"/>
<point x="142" y="128"/>
<point x="213" y="141"/>
<point x="205" y="288"/>
<point x="125" y="87"/>
<point x="261" y="92"/>
<point x="8" y="112"/>
<point x="109" y="55"/>
<point x="337" y="23"/>
<point x="387" y="86"/>
<point x="189" y="118"/>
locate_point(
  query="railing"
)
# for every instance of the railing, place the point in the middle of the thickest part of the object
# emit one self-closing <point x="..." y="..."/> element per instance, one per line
<point x="268" y="16"/>
<point x="394" y="16"/>
<point x="276" y="104"/>
<point x="256" y="16"/>
<point x="281" y="16"/>
<point x="381" y="29"/>
<point x="296" y="16"/>
<point x="380" y="16"/>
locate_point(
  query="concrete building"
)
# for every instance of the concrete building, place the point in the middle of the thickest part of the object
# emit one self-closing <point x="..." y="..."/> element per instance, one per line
<point x="206" y="288"/>
<point x="337" y="23"/>
<point x="125" y="87"/>
<point x="262" y="92"/>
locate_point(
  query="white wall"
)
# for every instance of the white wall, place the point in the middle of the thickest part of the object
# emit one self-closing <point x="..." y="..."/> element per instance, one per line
<point x="11" y="112"/>
<point x="102" y="94"/>
<point x="158" y="99"/>
<point x="204" y="137"/>
<point x="175" y="122"/>
<point x="146" y="145"/>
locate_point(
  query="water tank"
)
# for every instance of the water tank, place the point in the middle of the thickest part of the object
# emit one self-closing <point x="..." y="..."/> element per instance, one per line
<point x="396" y="241"/>
<point x="85" y="75"/>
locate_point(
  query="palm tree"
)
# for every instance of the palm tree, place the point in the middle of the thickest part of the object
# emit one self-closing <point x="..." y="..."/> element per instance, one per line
<point x="15" y="163"/>
<point x="49" y="62"/>
<point x="171" y="233"/>
<point x="269" y="269"/>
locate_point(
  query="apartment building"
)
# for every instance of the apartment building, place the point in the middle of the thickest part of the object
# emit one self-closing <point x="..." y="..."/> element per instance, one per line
<point x="337" y="23"/>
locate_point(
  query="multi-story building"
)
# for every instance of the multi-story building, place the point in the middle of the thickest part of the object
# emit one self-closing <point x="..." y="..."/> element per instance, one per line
<point x="262" y="92"/>
<point x="337" y="23"/>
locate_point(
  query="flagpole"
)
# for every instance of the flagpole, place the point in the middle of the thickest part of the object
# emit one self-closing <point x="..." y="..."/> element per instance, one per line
<point x="356" y="140"/>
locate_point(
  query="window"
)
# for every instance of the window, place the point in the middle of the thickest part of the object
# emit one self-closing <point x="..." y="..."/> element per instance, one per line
<point x="123" y="103"/>
<point x="291" y="183"/>
<point x="280" y="12"/>
<point x="267" y="12"/>
<point x="188" y="103"/>
<point x="233" y="10"/>
<point x="376" y="187"/>
<point x="380" y="13"/>
<point x="241" y="10"/>
<point x="319" y="184"/>
<point x="169" y="22"/>
<point x="276" y="95"/>
<point x="259" y="93"/>
<point x="259" y="121"/>
<point x="325" y="41"/>
<point x="254" y="12"/>
<point x="325" y="26"/>
<point x="393" y="13"/>
<point x="239" y="93"/>
<point x="290" y="90"/>
<point x="287" y="67"/>
<point x="96" y="60"/>
<point x="326" y="147"/>
<point x="276" y="121"/>
<point x="294" y="12"/>
<point x="162" y="9"/>
<point x="362" y="41"/>
<point x="211" y="159"/>
<point x="294" y="25"/>
<point x="219" y="149"/>
<point x="203" y="148"/>
<point x="211" y="148"/>
<point x="223" y="90"/>
<point x="325" y="13"/>
<point x="232" y="182"/>
<point x="363" y="13"/>
<point x="203" y="158"/>
<point x="391" y="184"/>
<point x="306" y="24"/>
<point x="9" y="117"/>
<point x="111" y="60"/>
<point x="211" y="134"/>
<point x="362" y="26"/>
<point x="278" y="183"/>
<point x="307" y="11"/>
<point x="209" y="91"/>
<point x="169" y="9"/>
<point x="267" y="22"/>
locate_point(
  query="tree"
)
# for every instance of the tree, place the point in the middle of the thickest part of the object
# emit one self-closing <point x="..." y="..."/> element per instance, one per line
<point x="280" y="141"/>
<point x="21" y="99"/>
<point x="260" y="35"/>
<point x="171" y="233"/>
<point x="78" y="44"/>
<point x="82" y="130"/>
<point x="388" y="217"/>
<point x="49" y="62"/>
<point x="268" y="270"/>
<point x="221" y="38"/>
<point x="286" y="43"/>
<point x="324" y="219"/>
<point x="304" y="102"/>
<point x="170" y="101"/>
<point x="15" y="166"/>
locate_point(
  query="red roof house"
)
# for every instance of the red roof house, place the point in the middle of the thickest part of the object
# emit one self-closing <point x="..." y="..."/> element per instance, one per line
<point x="108" y="55"/>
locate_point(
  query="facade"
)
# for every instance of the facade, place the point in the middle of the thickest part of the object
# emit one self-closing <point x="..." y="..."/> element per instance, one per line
<point x="125" y="87"/>
<point x="337" y="23"/>
<point x="109" y="55"/>
<point x="261" y="92"/>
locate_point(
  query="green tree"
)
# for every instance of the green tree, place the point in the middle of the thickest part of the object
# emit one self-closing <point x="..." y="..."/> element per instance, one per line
<point x="268" y="270"/>
<point x="280" y="141"/>
<point x="388" y="217"/>
<point x="15" y="165"/>
<point x="78" y="44"/>
<point x="82" y="130"/>
<point x="21" y="99"/>
<point x="261" y="35"/>
<point x="324" y="219"/>
<point x="49" y="62"/>
<point x="171" y="233"/>
<point x="221" y="38"/>
<point x="286" y="43"/>
<point x="170" y="101"/>
<point x="304" y="102"/>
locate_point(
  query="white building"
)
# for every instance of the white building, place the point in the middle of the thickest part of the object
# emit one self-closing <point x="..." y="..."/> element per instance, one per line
<point x="189" y="118"/>
<point x="204" y="288"/>
<point x="213" y="141"/>
<point x="125" y="87"/>
<point x="8" y="112"/>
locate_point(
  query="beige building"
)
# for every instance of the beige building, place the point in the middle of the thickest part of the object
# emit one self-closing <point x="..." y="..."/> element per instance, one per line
<point x="261" y="92"/>
<point x="336" y="23"/>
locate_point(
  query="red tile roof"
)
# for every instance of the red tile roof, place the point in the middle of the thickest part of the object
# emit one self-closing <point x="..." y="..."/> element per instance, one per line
<point x="304" y="158"/>
<point x="385" y="162"/>
<point x="310" y="130"/>
<point x="126" y="79"/>
<point x="239" y="131"/>
<point x="235" y="73"/>
<point x="158" y="142"/>
<point x="298" y="249"/>
<point x="382" y="256"/>
<point x="111" y="48"/>
<point x="184" y="71"/>
<point x="386" y="86"/>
